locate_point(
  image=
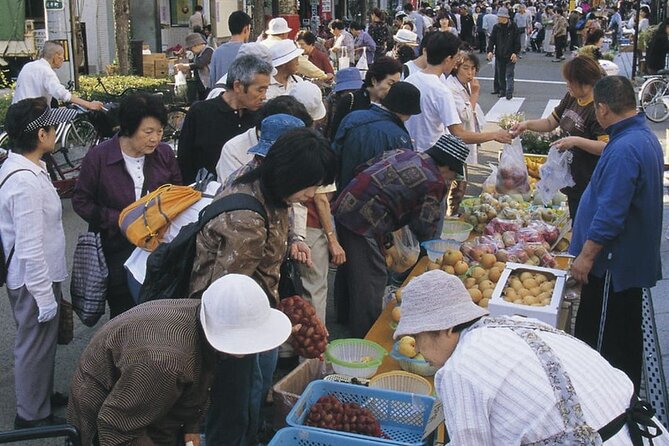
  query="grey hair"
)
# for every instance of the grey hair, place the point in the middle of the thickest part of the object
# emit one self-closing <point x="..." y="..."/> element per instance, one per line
<point x="245" y="68"/>
<point x="51" y="48"/>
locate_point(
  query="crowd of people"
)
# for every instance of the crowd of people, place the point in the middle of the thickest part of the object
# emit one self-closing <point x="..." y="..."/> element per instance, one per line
<point x="327" y="181"/>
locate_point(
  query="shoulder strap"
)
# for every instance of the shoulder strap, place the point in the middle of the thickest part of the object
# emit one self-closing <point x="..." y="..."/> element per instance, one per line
<point x="11" y="251"/>
<point x="233" y="202"/>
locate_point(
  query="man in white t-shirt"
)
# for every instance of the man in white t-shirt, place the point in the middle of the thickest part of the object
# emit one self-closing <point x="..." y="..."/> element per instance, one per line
<point x="439" y="114"/>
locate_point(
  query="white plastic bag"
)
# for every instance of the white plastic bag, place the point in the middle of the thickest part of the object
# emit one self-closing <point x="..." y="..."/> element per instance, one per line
<point x="555" y="174"/>
<point x="362" y="62"/>
<point x="512" y="177"/>
<point x="404" y="252"/>
<point x="180" y="85"/>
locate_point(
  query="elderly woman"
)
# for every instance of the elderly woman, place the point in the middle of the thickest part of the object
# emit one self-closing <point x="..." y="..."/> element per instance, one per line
<point x="244" y="242"/>
<point x="118" y="172"/>
<point x="200" y="64"/>
<point x="33" y="244"/>
<point x="575" y="116"/>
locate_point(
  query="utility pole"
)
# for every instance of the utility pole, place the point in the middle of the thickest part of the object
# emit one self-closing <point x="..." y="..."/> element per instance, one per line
<point x="122" y="24"/>
<point x="258" y="19"/>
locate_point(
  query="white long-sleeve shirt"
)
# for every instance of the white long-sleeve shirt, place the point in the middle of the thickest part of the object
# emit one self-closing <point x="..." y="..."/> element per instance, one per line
<point x="495" y="391"/>
<point x="37" y="79"/>
<point x="31" y="222"/>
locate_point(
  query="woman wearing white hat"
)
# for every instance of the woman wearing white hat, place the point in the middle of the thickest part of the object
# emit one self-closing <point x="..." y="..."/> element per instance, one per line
<point x="145" y="377"/>
<point x="517" y="381"/>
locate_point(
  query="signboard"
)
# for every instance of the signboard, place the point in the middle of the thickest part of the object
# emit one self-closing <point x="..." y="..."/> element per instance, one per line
<point x="55" y="5"/>
<point x="326" y="6"/>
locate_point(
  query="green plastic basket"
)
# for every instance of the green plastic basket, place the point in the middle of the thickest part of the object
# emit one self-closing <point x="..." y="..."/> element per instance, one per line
<point x="346" y="357"/>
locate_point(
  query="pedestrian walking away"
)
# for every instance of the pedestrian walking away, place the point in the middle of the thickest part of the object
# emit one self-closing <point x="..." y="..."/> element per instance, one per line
<point x="505" y="46"/>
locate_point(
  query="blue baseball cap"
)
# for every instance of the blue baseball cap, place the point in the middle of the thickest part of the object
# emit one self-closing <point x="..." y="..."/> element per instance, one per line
<point x="271" y="128"/>
<point x="347" y="79"/>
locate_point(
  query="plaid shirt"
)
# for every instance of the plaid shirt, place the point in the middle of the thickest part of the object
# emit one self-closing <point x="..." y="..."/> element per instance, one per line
<point x="398" y="188"/>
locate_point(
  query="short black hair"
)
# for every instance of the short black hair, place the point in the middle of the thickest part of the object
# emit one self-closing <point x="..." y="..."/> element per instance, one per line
<point x="302" y="150"/>
<point x="307" y="36"/>
<point x="198" y="7"/>
<point x="382" y="67"/>
<point x="461" y="327"/>
<point x="558" y="11"/>
<point x="18" y="116"/>
<point x="285" y="104"/>
<point x="337" y="24"/>
<point x="356" y="26"/>
<point x="408" y="7"/>
<point x="237" y="21"/>
<point x="425" y="40"/>
<point x="441" y="46"/>
<point x="617" y="92"/>
<point x="135" y="107"/>
<point x="405" y="54"/>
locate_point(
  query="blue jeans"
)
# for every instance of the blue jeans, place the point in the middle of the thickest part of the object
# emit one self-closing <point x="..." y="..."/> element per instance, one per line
<point x="237" y="394"/>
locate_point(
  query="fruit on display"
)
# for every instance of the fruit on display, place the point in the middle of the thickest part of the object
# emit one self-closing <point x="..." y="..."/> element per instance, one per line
<point x="311" y="340"/>
<point x="407" y="347"/>
<point x="529" y="288"/>
<point x="512" y="178"/>
<point x="329" y="413"/>
<point x="451" y="257"/>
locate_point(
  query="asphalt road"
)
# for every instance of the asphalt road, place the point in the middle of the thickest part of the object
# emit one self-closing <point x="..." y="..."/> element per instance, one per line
<point x="537" y="81"/>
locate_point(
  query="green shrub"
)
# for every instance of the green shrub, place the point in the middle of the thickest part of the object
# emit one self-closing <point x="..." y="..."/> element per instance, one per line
<point x="92" y="89"/>
<point x="5" y="102"/>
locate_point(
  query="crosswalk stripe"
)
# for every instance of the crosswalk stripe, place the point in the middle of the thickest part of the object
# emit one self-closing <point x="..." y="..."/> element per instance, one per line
<point x="527" y="81"/>
<point x="504" y="107"/>
<point x="550" y="106"/>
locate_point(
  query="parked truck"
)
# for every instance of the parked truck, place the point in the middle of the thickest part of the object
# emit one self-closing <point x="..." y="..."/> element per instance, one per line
<point x="21" y="32"/>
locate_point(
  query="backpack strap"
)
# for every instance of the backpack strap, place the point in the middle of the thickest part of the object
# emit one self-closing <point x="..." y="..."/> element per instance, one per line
<point x="11" y="251"/>
<point x="233" y="202"/>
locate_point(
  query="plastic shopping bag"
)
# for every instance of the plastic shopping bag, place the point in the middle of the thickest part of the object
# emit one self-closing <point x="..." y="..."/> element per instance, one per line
<point x="555" y="174"/>
<point x="404" y="252"/>
<point x="489" y="184"/>
<point x="512" y="177"/>
<point x="180" y="86"/>
<point x="362" y="62"/>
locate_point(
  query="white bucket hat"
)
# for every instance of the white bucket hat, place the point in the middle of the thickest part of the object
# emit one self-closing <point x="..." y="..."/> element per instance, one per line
<point x="277" y="26"/>
<point x="435" y="301"/>
<point x="308" y="94"/>
<point x="406" y="37"/>
<point x="284" y="51"/>
<point x="236" y="317"/>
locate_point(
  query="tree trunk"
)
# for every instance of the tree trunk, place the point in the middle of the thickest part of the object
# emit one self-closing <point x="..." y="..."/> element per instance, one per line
<point x="122" y="24"/>
<point x="258" y="19"/>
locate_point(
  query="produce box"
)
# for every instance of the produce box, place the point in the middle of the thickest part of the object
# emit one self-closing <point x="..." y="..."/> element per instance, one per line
<point x="287" y="391"/>
<point x="161" y="67"/>
<point x="405" y="419"/>
<point x="548" y="313"/>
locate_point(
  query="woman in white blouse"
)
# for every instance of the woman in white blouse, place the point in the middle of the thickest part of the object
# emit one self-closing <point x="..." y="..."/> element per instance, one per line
<point x="465" y="88"/>
<point x="33" y="243"/>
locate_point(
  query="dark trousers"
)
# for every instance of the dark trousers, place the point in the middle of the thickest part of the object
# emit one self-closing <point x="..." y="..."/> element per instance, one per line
<point x="504" y="70"/>
<point x="560" y="45"/>
<point x="360" y="282"/>
<point x="119" y="297"/>
<point x="482" y="41"/>
<point x="622" y="343"/>
<point x="573" y="39"/>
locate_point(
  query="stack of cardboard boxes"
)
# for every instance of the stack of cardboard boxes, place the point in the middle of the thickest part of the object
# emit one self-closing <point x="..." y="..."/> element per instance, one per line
<point x="155" y="65"/>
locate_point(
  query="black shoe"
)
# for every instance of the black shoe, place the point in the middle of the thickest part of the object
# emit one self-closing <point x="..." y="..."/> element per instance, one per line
<point x="51" y="420"/>
<point x="494" y="92"/>
<point x="509" y="96"/>
<point x="501" y="95"/>
<point x="59" y="400"/>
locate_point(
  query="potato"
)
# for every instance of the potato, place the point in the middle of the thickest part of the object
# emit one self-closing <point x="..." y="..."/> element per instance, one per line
<point x="540" y="278"/>
<point x="546" y="286"/>
<point x="526" y="275"/>
<point x="519" y="302"/>
<point x="535" y="291"/>
<point x="512" y="294"/>
<point x="530" y="283"/>
<point x="516" y="285"/>
<point x="529" y="299"/>
<point x="545" y="295"/>
<point x="524" y="292"/>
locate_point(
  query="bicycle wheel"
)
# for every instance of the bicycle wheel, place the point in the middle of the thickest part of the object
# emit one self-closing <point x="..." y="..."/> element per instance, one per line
<point x="78" y="138"/>
<point x="654" y="99"/>
<point x="4" y="147"/>
<point x="172" y="131"/>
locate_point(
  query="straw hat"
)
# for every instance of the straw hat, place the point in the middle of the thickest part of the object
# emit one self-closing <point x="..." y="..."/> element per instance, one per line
<point x="236" y="317"/>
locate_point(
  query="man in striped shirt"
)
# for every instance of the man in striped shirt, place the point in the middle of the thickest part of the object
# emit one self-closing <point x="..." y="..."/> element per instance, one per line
<point x="517" y="381"/>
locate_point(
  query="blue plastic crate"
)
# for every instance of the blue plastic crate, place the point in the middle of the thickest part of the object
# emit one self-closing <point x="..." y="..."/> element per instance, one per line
<point x="293" y="436"/>
<point x="403" y="417"/>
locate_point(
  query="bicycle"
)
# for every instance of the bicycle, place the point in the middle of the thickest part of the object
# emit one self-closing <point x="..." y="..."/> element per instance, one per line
<point x="654" y="96"/>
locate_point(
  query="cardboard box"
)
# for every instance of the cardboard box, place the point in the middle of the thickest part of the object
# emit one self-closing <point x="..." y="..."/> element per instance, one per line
<point x="287" y="391"/>
<point x="161" y="67"/>
<point x="547" y="313"/>
<point x="148" y="69"/>
<point x="153" y="57"/>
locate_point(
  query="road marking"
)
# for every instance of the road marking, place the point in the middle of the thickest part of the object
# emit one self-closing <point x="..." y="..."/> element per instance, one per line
<point x="552" y="103"/>
<point x="528" y="81"/>
<point x="503" y="107"/>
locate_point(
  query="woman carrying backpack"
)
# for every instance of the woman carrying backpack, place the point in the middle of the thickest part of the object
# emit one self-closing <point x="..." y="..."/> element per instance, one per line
<point x="118" y="172"/>
<point x="244" y="242"/>
<point x="33" y="242"/>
